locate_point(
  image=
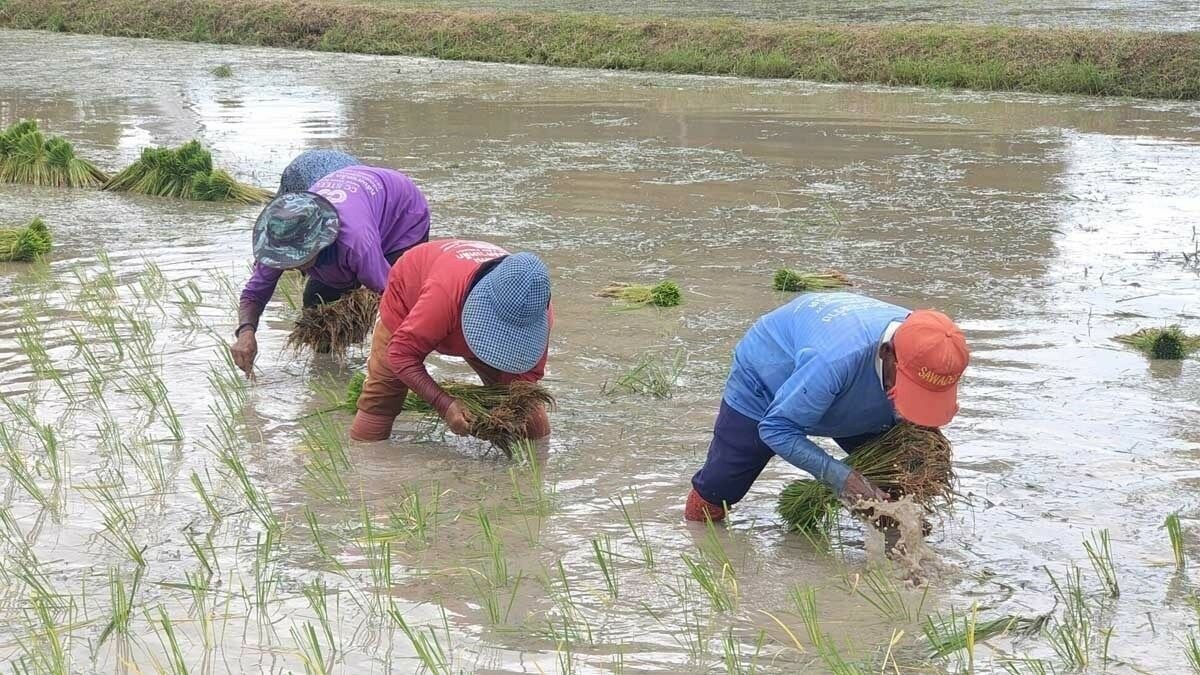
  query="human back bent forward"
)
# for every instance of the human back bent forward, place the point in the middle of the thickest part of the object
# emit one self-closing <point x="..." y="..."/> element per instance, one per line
<point x="838" y="365"/>
<point x="459" y="298"/>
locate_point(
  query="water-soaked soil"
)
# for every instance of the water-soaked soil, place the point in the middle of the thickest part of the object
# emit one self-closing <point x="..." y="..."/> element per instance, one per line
<point x="1044" y="225"/>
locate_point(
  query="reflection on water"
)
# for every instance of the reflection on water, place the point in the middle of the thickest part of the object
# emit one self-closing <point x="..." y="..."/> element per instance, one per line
<point x="1045" y="225"/>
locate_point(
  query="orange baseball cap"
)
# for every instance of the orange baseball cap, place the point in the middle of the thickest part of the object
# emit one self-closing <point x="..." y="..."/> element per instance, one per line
<point x="931" y="355"/>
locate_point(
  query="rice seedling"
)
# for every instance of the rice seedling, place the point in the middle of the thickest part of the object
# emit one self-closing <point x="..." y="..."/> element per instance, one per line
<point x="198" y="585"/>
<point x="206" y="555"/>
<point x="499" y="410"/>
<point x="416" y="517"/>
<point x="327" y="459"/>
<point x="119" y="522"/>
<point x="256" y="499"/>
<point x="48" y="651"/>
<point x="24" y="244"/>
<point x="637" y="527"/>
<point x="317" y="594"/>
<point x="122" y="600"/>
<point x="1099" y="552"/>
<point x="885" y="594"/>
<point x="947" y="633"/>
<point x="426" y="643"/>
<point x="311" y="655"/>
<point x="1169" y="342"/>
<point x="335" y="327"/>
<point x="185" y="173"/>
<point x="314" y="529"/>
<point x="735" y="662"/>
<point x="222" y="71"/>
<point x="28" y="156"/>
<point x="791" y="281"/>
<point x="805" y="600"/>
<point x="164" y="628"/>
<point x="662" y="294"/>
<point x="493" y="547"/>
<point x="1071" y="637"/>
<point x="653" y="376"/>
<point x="1175" y="532"/>
<point x="1191" y="651"/>
<point x="607" y="563"/>
<point x="719" y="586"/>
<point x="907" y="460"/>
<point x="266" y="574"/>
<point x="53" y="462"/>
<point x="21" y="472"/>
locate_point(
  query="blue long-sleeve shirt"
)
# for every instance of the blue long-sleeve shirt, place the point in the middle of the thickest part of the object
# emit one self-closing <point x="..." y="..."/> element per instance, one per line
<point x="808" y="369"/>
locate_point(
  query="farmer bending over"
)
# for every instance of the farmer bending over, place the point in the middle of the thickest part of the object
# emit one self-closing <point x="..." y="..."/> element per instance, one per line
<point x="346" y="231"/>
<point x="826" y="364"/>
<point x="458" y="298"/>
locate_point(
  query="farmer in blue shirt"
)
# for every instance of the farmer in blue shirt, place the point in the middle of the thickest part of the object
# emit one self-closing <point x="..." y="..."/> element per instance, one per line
<point x="838" y="365"/>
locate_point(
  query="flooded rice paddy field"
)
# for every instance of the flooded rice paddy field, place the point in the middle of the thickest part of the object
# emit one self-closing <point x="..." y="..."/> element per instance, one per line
<point x="161" y="514"/>
<point x="1166" y="15"/>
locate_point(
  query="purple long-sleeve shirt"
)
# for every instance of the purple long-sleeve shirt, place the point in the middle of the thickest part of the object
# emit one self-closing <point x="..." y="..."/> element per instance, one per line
<point x="381" y="211"/>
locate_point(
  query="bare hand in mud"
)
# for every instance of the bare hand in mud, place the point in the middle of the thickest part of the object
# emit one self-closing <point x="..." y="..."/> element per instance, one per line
<point x="458" y="419"/>
<point x="244" y="351"/>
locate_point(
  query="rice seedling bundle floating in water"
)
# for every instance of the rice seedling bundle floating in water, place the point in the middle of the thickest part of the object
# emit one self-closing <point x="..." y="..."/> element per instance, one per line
<point x="334" y="327"/>
<point x="1169" y="342"/>
<point x="908" y="460"/>
<point x="27" y="156"/>
<point x="184" y="173"/>
<point x="662" y="294"/>
<point x="792" y="281"/>
<point x="24" y="244"/>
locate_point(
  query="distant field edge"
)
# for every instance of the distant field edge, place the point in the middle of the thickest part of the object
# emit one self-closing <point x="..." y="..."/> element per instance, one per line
<point x="990" y="58"/>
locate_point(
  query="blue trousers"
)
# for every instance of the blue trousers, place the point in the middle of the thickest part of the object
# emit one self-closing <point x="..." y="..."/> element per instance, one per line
<point x="737" y="455"/>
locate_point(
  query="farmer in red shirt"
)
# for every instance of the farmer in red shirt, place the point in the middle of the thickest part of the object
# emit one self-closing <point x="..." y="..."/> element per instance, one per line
<point x="459" y="298"/>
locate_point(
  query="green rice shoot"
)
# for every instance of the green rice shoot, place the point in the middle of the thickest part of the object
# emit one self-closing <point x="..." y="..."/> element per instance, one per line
<point x="1175" y="532"/>
<point x="663" y="294"/>
<point x="908" y="460"/>
<point x="29" y="157"/>
<point x="222" y="71"/>
<point x="947" y="633"/>
<point x="1169" y="342"/>
<point x="791" y="281"/>
<point x="186" y="172"/>
<point x="25" y="244"/>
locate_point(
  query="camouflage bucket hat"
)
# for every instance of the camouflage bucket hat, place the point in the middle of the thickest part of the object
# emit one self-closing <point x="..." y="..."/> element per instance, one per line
<point x="293" y="229"/>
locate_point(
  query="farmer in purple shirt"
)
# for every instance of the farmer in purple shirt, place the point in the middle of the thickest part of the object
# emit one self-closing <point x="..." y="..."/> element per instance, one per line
<point x="344" y="232"/>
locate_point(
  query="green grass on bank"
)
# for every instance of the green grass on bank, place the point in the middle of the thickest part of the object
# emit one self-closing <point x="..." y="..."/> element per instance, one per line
<point x="1152" y="65"/>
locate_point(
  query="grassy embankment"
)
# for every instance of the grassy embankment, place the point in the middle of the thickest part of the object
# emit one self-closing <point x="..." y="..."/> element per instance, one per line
<point x="1099" y="62"/>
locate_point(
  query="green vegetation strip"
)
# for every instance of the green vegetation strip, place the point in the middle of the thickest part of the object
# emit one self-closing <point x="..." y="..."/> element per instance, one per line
<point x="1077" y="61"/>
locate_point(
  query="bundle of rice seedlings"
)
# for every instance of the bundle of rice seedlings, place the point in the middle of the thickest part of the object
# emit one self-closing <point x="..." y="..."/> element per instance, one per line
<point x="333" y="327"/>
<point x="354" y="390"/>
<point x="1162" y="343"/>
<point x="499" y="410"/>
<point x="24" y="244"/>
<point x="186" y="173"/>
<point x="29" y="157"/>
<point x="907" y="460"/>
<point x="662" y="294"/>
<point x="222" y="71"/>
<point x="802" y="282"/>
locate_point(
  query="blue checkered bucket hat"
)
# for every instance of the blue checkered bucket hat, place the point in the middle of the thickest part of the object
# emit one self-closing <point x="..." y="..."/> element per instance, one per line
<point x="293" y="229"/>
<point x="506" y="318"/>
<point x="311" y="166"/>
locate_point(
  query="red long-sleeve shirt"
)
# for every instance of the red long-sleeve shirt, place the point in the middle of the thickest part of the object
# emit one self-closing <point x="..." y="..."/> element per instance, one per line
<point x="422" y="307"/>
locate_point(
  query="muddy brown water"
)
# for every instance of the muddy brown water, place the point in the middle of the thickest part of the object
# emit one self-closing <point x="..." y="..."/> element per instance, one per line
<point x="1168" y="15"/>
<point x="1044" y="225"/>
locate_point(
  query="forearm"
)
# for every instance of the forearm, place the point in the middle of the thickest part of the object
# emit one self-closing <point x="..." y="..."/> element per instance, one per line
<point x="796" y="448"/>
<point x="409" y="367"/>
<point x="249" y="312"/>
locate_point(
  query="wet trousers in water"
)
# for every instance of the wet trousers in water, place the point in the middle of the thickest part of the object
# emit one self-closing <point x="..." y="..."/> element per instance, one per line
<point x="737" y="455"/>
<point x="383" y="393"/>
